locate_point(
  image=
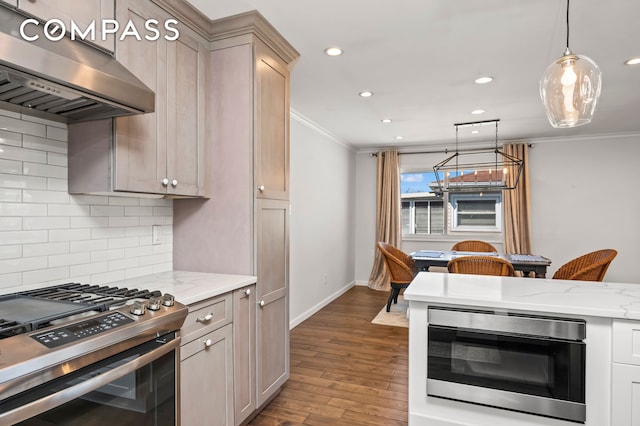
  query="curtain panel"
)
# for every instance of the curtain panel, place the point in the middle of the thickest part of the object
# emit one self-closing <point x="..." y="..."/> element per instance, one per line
<point x="517" y="206"/>
<point x="388" y="228"/>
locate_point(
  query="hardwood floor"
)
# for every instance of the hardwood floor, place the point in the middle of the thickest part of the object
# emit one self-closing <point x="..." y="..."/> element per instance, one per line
<point x="344" y="370"/>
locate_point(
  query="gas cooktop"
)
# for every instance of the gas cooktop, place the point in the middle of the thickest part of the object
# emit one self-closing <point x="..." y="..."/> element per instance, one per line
<point x="31" y="310"/>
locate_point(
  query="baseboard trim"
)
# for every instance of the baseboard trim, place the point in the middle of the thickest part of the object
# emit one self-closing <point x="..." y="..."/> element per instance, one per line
<point x="293" y="322"/>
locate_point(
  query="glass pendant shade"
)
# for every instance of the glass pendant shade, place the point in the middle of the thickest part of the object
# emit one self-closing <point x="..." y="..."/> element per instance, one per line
<point x="569" y="89"/>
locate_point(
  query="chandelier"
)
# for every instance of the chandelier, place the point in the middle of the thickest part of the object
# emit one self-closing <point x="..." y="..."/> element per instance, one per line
<point x="478" y="170"/>
<point x="570" y="88"/>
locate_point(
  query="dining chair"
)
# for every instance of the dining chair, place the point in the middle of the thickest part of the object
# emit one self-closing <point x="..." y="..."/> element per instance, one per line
<point x="474" y="245"/>
<point x="480" y="265"/>
<point x="401" y="269"/>
<point x="588" y="267"/>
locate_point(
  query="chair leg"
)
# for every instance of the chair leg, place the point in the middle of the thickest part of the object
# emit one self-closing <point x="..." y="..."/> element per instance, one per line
<point x="396" y="292"/>
<point x="390" y="299"/>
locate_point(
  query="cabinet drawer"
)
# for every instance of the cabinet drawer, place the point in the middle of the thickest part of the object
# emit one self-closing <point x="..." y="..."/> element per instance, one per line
<point x="626" y="342"/>
<point x="207" y="316"/>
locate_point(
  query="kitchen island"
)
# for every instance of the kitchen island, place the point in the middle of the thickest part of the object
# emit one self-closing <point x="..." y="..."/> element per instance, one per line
<point x="610" y="313"/>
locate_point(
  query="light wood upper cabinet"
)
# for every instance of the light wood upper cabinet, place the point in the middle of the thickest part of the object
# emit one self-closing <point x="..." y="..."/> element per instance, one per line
<point x="81" y="12"/>
<point x="272" y="109"/>
<point x="160" y="152"/>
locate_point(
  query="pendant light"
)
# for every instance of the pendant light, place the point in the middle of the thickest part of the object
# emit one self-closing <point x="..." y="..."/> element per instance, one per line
<point x="570" y="88"/>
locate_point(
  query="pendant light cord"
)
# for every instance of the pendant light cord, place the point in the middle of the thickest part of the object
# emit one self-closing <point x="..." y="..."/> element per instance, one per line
<point x="567" y="24"/>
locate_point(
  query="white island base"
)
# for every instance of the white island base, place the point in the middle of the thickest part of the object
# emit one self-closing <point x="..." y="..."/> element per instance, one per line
<point x="611" y="312"/>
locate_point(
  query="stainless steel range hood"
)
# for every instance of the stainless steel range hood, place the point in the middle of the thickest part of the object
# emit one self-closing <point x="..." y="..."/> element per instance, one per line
<point x="66" y="77"/>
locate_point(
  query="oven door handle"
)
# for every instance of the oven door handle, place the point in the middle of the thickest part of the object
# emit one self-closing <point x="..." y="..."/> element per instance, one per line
<point x="57" y="399"/>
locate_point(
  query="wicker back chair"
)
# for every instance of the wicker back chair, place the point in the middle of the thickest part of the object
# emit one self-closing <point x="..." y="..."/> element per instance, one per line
<point x="474" y="245"/>
<point x="480" y="265"/>
<point x="401" y="269"/>
<point x="588" y="267"/>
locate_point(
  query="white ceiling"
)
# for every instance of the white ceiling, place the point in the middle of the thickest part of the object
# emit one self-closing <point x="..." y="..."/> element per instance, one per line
<point x="420" y="58"/>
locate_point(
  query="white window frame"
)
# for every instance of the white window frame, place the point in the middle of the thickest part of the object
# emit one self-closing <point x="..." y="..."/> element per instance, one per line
<point x="453" y="203"/>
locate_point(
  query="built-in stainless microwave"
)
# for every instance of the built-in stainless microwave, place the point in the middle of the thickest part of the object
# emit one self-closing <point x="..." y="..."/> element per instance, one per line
<point x="526" y="363"/>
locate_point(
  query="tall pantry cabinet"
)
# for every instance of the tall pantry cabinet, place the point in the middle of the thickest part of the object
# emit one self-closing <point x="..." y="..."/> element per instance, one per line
<point x="244" y="227"/>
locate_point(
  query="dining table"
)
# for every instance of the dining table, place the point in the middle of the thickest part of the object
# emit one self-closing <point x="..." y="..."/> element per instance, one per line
<point x="528" y="264"/>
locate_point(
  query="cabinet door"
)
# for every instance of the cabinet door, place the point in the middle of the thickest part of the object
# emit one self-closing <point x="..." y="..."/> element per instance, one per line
<point x="625" y="395"/>
<point x="206" y="380"/>
<point x="272" y="226"/>
<point x="140" y="141"/>
<point x="186" y="70"/>
<point x="244" y="353"/>
<point x="81" y="12"/>
<point x="272" y="121"/>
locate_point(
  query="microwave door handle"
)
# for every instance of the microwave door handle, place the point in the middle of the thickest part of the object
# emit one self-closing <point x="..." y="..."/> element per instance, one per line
<point x="57" y="399"/>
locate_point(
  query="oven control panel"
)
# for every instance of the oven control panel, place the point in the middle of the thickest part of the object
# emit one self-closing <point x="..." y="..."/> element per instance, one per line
<point x="87" y="328"/>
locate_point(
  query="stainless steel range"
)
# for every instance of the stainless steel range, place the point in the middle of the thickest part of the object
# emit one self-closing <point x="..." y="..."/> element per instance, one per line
<point x="80" y="354"/>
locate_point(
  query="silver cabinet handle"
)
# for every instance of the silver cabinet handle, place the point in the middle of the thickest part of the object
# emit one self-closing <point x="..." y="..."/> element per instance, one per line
<point x="208" y="343"/>
<point x="247" y="292"/>
<point x="174" y="183"/>
<point x="165" y="182"/>
<point x="261" y="303"/>
<point x="261" y="188"/>
<point x="206" y="318"/>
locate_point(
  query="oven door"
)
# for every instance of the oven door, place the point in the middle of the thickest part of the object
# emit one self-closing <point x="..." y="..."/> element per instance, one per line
<point x="136" y="387"/>
<point x="519" y="372"/>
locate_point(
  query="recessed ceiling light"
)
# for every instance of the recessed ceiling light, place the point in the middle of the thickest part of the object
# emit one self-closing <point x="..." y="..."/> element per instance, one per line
<point x="399" y="137"/>
<point x="477" y="112"/>
<point x="632" y="61"/>
<point x="386" y="120"/>
<point x="366" y="94"/>
<point x="483" y="80"/>
<point x="333" y="51"/>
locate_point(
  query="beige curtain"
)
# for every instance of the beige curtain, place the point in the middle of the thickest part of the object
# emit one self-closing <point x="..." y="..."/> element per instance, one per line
<point x="388" y="227"/>
<point x="517" y="206"/>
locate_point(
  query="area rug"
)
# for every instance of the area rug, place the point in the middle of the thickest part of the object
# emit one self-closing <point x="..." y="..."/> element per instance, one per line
<point x="397" y="316"/>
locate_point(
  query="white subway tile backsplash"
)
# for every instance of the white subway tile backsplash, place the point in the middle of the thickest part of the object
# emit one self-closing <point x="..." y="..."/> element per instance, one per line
<point x="69" y="234"/>
<point x="44" y="197"/>
<point x="69" y="259"/>
<point x="20" y="154"/>
<point x="10" y="138"/>
<point x="22" y="237"/>
<point x="125" y="221"/>
<point x="43" y="144"/>
<point x="19" y="209"/>
<point x="89" y="222"/>
<point x="88" y="245"/>
<point x="10" y="166"/>
<point x="45" y="249"/>
<point x="107" y="211"/>
<point x="57" y="133"/>
<point x="70" y="210"/>
<point x="124" y="242"/>
<point x="108" y="255"/>
<point x="21" y="182"/>
<point x="9" y="266"/>
<point x="10" y="252"/>
<point x="45" y="170"/>
<point x="48" y="276"/>
<point x="10" y="223"/>
<point x="61" y="185"/>
<point x="20" y="126"/>
<point x="49" y="237"/>
<point x="33" y="223"/>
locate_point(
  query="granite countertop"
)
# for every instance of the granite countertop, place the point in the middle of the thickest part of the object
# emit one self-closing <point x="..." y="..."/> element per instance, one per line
<point x="600" y="299"/>
<point x="188" y="287"/>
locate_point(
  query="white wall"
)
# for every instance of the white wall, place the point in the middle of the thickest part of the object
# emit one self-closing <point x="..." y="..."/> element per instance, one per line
<point x="322" y="251"/>
<point x="48" y="236"/>
<point x="584" y="197"/>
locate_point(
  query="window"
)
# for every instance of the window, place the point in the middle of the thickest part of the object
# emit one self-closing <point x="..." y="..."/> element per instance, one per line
<point x="425" y="213"/>
<point x="476" y="212"/>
